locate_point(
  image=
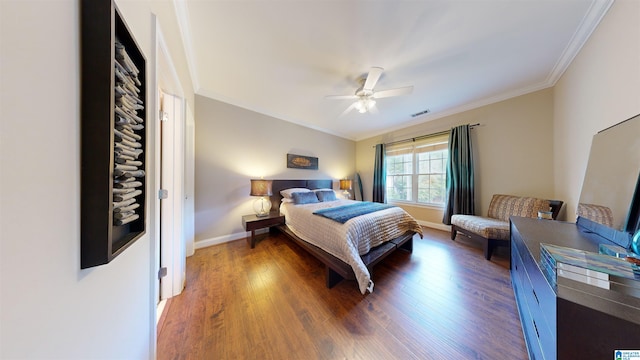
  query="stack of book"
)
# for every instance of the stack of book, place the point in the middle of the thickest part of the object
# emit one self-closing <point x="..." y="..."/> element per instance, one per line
<point x="591" y="268"/>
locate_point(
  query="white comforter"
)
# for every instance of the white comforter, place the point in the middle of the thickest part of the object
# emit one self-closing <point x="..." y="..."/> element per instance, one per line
<point x="349" y="240"/>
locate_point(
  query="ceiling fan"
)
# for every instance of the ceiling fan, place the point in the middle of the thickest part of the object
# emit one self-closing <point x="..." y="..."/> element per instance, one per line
<point x="365" y="95"/>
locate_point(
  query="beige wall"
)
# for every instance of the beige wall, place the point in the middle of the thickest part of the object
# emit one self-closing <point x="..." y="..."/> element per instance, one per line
<point x="234" y="145"/>
<point x="600" y="88"/>
<point x="513" y="150"/>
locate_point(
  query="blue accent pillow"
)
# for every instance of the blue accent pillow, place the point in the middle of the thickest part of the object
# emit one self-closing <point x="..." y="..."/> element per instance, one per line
<point x="327" y="195"/>
<point x="304" y="198"/>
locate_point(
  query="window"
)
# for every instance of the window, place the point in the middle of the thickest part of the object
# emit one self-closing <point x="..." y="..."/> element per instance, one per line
<point x="417" y="172"/>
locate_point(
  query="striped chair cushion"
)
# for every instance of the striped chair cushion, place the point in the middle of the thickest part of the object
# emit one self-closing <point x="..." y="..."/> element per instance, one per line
<point x="486" y="227"/>
<point x="496" y="224"/>
<point x="504" y="206"/>
<point x="598" y="213"/>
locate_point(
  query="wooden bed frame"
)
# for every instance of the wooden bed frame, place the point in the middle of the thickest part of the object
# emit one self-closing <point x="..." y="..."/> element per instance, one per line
<point x="336" y="269"/>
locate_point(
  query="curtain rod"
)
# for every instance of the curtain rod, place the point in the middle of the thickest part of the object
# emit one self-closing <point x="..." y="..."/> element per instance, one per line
<point x="413" y="139"/>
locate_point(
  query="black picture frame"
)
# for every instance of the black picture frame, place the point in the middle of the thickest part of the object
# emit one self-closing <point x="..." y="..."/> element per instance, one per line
<point x="302" y="162"/>
<point x="112" y="119"/>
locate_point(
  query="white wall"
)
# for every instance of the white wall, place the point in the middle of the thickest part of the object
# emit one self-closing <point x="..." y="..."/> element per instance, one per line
<point x="234" y="145"/>
<point x="599" y="89"/>
<point x="49" y="308"/>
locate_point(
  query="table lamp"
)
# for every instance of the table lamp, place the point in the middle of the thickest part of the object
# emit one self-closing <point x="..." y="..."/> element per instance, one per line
<point x="345" y="185"/>
<point x="262" y="188"/>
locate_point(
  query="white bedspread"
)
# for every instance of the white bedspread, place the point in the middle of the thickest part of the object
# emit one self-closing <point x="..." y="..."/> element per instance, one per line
<point x="349" y="240"/>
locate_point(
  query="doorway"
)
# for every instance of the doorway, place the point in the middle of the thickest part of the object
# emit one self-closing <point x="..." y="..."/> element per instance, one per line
<point x="172" y="244"/>
<point x="172" y="228"/>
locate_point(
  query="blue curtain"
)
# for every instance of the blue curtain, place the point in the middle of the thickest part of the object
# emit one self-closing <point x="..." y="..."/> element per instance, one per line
<point x="379" y="176"/>
<point x="460" y="188"/>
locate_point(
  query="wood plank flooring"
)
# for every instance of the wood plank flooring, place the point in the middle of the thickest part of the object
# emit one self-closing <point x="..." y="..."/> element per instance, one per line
<point x="443" y="301"/>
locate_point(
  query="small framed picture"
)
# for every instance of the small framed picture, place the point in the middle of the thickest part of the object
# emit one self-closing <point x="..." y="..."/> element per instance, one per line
<point x="302" y="162"/>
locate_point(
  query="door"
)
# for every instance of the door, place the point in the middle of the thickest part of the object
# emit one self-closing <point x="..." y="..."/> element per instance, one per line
<point x="172" y="242"/>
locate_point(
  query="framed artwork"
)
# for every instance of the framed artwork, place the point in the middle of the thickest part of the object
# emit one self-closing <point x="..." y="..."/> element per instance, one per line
<point x="113" y="135"/>
<point x="302" y="162"/>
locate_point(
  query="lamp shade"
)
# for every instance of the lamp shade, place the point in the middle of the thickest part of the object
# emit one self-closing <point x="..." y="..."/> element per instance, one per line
<point x="345" y="184"/>
<point x="261" y="187"/>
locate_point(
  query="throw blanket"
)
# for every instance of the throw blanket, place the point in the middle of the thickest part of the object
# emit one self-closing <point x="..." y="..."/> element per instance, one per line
<point x="344" y="213"/>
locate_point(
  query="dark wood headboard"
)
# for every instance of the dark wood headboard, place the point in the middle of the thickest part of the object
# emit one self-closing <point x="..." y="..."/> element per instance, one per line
<point x="278" y="185"/>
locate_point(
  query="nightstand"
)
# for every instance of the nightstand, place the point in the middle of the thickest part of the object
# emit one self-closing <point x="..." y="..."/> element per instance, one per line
<point x="253" y="222"/>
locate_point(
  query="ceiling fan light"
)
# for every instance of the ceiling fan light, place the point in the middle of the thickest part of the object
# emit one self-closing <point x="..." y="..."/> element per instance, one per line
<point x="370" y="103"/>
<point x="364" y="104"/>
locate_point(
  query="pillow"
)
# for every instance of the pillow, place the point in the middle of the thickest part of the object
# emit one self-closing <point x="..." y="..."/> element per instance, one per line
<point x="285" y="200"/>
<point x="286" y="193"/>
<point x="325" y="189"/>
<point x="327" y="195"/>
<point x="308" y="197"/>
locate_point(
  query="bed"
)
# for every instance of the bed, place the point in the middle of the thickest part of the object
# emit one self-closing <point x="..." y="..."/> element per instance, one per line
<point x="351" y="249"/>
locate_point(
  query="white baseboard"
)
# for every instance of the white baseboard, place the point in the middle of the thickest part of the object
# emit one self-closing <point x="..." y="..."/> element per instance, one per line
<point x="225" y="238"/>
<point x="160" y="310"/>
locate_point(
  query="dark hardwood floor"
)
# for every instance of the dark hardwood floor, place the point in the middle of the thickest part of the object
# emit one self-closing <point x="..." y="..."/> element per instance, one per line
<point x="444" y="301"/>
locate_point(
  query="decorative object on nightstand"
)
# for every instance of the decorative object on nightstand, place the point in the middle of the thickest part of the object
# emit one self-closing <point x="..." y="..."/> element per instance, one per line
<point x="262" y="188"/>
<point x="345" y="186"/>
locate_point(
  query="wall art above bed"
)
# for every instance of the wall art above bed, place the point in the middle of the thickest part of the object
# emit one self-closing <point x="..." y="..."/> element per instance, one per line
<point x="302" y="162"/>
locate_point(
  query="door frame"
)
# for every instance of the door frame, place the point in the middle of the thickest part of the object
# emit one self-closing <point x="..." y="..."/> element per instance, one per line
<point x="166" y="79"/>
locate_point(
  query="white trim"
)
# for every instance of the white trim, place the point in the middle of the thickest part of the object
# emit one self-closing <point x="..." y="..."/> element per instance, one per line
<point x="171" y="251"/>
<point x="173" y="255"/>
<point x="160" y="310"/>
<point x="189" y="181"/>
<point x="176" y="86"/>
<point x="182" y="15"/>
<point x="154" y="208"/>
<point x="587" y="26"/>
<point x="226" y="238"/>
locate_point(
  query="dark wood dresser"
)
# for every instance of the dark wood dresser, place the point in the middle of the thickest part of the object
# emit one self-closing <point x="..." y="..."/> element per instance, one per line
<point x="570" y="320"/>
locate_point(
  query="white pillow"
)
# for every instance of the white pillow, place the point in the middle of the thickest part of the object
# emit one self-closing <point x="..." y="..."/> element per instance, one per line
<point x="286" y="193"/>
<point x="327" y="189"/>
<point x="285" y="200"/>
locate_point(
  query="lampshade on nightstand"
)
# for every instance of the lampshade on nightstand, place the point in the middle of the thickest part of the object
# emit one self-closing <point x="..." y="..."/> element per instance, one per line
<point x="345" y="186"/>
<point x="262" y="188"/>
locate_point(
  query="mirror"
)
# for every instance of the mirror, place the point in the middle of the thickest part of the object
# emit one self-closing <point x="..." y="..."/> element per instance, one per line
<point x="612" y="176"/>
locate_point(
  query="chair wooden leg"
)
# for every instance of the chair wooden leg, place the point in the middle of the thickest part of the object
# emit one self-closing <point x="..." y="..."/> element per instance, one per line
<point x="488" y="250"/>
<point x="454" y="232"/>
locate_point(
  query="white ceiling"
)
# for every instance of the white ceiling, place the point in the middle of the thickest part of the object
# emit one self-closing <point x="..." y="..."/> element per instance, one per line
<point x="281" y="58"/>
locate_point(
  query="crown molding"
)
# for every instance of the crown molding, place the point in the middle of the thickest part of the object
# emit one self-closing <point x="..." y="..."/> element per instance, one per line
<point x="587" y="26"/>
<point x="182" y="15"/>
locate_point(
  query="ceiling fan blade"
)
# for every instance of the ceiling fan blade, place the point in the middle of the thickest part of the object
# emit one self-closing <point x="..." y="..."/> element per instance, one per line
<point x="372" y="78"/>
<point x="393" y="92"/>
<point x="340" y="97"/>
<point x="348" y="110"/>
